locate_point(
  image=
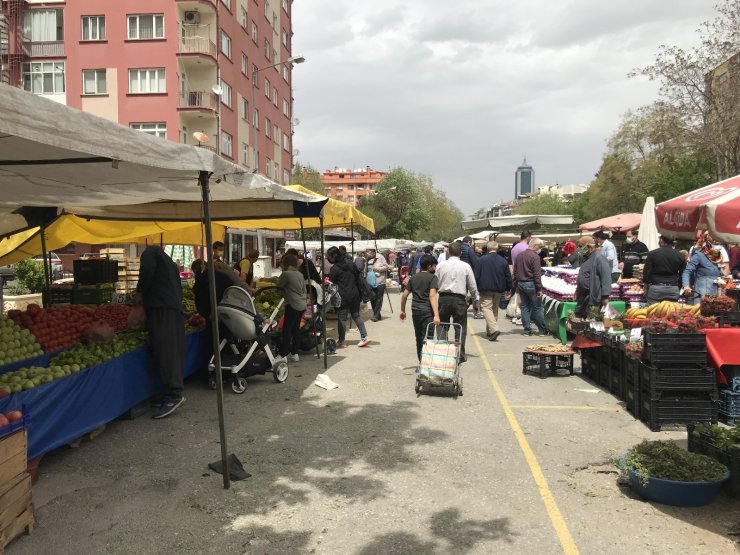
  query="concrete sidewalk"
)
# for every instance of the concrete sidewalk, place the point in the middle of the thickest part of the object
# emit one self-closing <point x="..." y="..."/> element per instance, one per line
<point x="370" y="468"/>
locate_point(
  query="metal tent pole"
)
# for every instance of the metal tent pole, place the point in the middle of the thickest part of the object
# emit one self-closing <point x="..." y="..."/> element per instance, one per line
<point x="46" y="297"/>
<point x="352" y="234"/>
<point x="203" y="182"/>
<point x="323" y="275"/>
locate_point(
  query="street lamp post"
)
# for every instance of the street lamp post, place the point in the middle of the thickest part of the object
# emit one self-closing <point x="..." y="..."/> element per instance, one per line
<point x="255" y="84"/>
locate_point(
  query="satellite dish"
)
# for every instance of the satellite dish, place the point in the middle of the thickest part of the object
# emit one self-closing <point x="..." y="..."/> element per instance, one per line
<point x="200" y="137"/>
<point x="217" y="89"/>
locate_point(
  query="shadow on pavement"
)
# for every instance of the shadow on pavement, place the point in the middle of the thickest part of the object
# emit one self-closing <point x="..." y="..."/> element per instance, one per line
<point x="451" y="534"/>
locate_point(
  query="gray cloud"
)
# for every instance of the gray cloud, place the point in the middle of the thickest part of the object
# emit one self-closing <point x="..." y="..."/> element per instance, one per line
<point x="461" y="91"/>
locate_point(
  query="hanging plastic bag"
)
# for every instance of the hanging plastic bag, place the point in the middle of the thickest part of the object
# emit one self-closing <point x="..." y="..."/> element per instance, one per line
<point x="136" y="319"/>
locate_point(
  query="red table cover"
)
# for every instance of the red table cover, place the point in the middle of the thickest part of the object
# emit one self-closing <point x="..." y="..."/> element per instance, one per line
<point x="723" y="345"/>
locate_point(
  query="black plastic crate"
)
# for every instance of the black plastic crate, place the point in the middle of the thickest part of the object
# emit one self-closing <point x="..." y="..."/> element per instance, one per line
<point x="59" y="295"/>
<point x="590" y="361"/>
<point x="664" y="349"/>
<point x="729" y="407"/>
<point x="93" y="272"/>
<point x="605" y="371"/>
<point x="677" y="409"/>
<point x="701" y="442"/>
<point x="688" y="377"/>
<point x="632" y="385"/>
<point x="617" y="380"/>
<point x="728" y="319"/>
<point x="93" y="295"/>
<point x="543" y="364"/>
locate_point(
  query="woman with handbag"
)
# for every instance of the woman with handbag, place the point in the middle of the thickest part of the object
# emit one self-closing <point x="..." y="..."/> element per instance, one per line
<point x="347" y="278"/>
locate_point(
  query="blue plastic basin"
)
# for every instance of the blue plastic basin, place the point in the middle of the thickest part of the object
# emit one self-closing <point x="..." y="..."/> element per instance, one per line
<point x="678" y="494"/>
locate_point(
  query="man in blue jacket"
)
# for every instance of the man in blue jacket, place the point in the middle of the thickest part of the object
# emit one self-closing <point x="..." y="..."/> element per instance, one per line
<point x="493" y="278"/>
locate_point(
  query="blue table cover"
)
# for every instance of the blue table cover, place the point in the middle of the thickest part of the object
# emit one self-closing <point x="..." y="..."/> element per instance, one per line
<point x="67" y="408"/>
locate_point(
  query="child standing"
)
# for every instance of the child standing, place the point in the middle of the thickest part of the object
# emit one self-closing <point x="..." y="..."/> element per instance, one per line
<point x="423" y="288"/>
<point x="293" y="288"/>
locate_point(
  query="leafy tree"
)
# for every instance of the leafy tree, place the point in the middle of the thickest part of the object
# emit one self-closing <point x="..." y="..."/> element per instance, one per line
<point x="398" y="196"/>
<point x="30" y="275"/>
<point x="445" y="217"/>
<point x="543" y="204"/>
<point x="309" y="177"/>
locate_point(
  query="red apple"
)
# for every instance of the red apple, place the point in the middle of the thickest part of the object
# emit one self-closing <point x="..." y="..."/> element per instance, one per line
<point x="3" y="421"/>
<point x="14" y="416"/>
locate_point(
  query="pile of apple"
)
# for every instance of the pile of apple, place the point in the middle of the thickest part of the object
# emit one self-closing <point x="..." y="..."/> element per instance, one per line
<point x="56" y="327"/>
<point x="16" y="343"/>
<point x="9" y="417"/>
<point x="27" y="378"/>
<point x="115" y="315"/>
<point x="91" y="354"/>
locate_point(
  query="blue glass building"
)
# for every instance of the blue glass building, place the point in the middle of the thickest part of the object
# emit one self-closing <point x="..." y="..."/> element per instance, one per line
<point x="524" y="180"/>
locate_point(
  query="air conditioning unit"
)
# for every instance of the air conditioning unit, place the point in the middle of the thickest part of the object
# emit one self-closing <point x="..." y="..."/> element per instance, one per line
<point x="192" y="18"/>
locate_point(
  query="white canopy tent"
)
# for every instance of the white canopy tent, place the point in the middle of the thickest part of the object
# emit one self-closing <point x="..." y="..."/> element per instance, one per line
<point x="517" y="221"/>
<point x="364" y="244"/>
<point x="58" y="159"/>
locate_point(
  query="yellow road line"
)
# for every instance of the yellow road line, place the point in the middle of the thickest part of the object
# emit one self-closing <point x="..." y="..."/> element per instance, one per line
<point x="556" y="517"/>
<point x="568" y="407"/>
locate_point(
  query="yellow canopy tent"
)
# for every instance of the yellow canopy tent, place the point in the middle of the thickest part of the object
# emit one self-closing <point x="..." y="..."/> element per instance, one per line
<point x="69" y="228"/>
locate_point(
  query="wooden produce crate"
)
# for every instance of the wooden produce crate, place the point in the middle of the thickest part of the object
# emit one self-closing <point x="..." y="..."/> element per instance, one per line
<point x="16" y="505"/>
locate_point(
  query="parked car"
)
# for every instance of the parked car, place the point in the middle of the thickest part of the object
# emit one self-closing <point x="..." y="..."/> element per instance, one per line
<point x="7" y="273"/>
<point x="56" y="264"/>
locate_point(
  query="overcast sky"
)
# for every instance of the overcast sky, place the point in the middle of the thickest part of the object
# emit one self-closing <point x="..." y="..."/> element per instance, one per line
<point x="461" y="90"/>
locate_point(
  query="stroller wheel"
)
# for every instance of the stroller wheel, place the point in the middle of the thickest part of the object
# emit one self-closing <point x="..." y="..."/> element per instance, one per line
<point x="212" y="381"/>
<point x="417" y="388"/>
<point x="280" y="372"/>
<point x="331" y="346"/>
<point x="460" y="387"/>
<point x="239" y="385"/>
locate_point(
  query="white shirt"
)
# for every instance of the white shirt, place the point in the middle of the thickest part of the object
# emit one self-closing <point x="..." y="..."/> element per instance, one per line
<point x="456" y="276"/>
<point x="609" y="251"/>
<point x="442" y="257"/>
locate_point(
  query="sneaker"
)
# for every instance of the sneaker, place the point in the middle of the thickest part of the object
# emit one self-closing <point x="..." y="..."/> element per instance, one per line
<point x="528" y="333"/>
<point x="543" y="333"/>
<point x="293" y="358"/>
<point x="516" y="321"/>
<point x="478" y="316"/>
<point x="342" y="346"/>
<point x="168" y="406"/>
<point x="373" y="319"/>
<point x="494" y="336"/>
<point x="364" y="342"/>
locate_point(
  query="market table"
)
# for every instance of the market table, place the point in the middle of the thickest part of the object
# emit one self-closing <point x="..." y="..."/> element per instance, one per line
<point x="556" y="313"/>
<point x="67" y="408"/>
<point x="722" y="349"/>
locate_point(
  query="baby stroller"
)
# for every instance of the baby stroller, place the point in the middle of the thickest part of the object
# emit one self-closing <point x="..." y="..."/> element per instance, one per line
<point x="245" y="351"/>
<point x="312" y="326"/>
<point x="440" y="360"/>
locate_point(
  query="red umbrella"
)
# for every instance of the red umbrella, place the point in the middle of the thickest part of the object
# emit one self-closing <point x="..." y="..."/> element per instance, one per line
<point x="620" y="222"/>
<point x="715" y="207"/>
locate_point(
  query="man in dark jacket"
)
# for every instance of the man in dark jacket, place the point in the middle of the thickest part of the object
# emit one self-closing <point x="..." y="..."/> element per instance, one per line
<point x="663" y="270"/>
<point x="346" y="277"/>
<point x="468" y="255"/>
<point x="415" y="261"/>
<point x="160" y="292"/>
<point x="493" y="278"/>
<point x="594" y="283"/>
<point x="635" y="252"/>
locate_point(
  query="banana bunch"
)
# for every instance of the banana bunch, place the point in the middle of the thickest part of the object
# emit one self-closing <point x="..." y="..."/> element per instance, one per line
<point x="660" y="310"/>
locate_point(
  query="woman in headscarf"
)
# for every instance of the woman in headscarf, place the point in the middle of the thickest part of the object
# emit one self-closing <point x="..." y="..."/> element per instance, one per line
<point x="703" y="269"/>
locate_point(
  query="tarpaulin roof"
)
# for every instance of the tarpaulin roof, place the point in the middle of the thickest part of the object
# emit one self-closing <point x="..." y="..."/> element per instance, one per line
<point x="715" y="207"/>
<point x="518" y="221"/>
<point x="52" y="155"/>
<point x="621" y="222"/>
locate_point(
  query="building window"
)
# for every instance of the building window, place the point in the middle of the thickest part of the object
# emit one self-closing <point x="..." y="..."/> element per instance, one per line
<point x="285" y="38"/>
<point x="225" y="144"/>
<point x="286" y="108"/>
<point x="93" y="27"/>
<point x="267" y="9"/>
<point x="268" y="168"/>
<point x="245" y="154"/>
<point x="93" y="81"/>
<point x="245" y="110"/>
<point x="227" y="3"/>
<point x="274" y="59"/>
<point x="226" y="94"/>
<point x="142" y="27"/>
<point x="245" y="64"/>
<point x="254" y="32"/>
<point x="267" y="49"/>
<point x="286" y="73"/>
<point x="274" y="97"/>
<point x="286" y="142"/>
<point x="254" y="75"/>
<point x="225" y="44"/>
<point x="276" y="134"/>
<point x="286" y="177"/>
<point x="148" y="80"/>
<point x="256" y="118"/>
<point x="268" y="128"/>
<point x="156" y="129"/>
<point x="267" y="88"/>
<point x="44" y="77"/>
<point x="243" y="18"/>
<point x="43" y="25"/>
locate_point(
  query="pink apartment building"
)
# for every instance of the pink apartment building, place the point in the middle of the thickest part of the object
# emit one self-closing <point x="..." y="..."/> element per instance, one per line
<point x="154" y="65"/>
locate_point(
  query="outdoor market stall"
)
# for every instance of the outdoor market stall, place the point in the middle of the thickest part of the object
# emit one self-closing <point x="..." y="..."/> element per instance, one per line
<point x="53" y="157"/>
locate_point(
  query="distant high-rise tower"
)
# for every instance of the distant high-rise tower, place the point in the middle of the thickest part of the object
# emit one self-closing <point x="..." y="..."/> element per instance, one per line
<point x="524" y="180"/>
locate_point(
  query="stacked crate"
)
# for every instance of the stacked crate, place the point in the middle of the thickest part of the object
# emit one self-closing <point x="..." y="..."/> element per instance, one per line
<point x="676" y="385"/>
<point x="128" y="275"/>
<point x="16" y="505"/>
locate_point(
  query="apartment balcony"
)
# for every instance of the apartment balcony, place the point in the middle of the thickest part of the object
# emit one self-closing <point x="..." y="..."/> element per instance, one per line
<point x="197" y="46"/>
<point x="46" y="49"/>
<point x="198" y="100"/>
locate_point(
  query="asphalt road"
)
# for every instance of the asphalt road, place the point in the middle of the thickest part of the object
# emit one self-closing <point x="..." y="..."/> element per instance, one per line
<point x="516" y="465"/>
